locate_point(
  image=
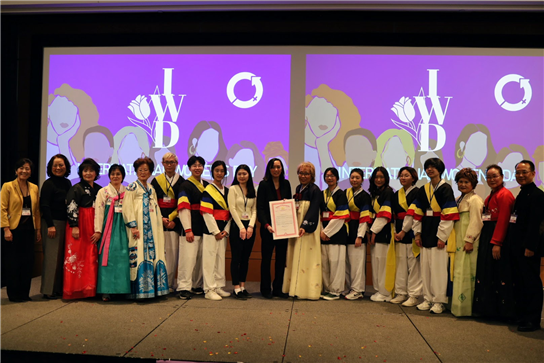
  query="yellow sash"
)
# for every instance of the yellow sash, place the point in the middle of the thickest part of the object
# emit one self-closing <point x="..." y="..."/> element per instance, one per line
<point x="163" y="183"/>
<point x="351" y="200"/>
<point x="197" y="184"/>
<point x="430" y="193"/>
<point x="217" y="196"/>
<point x="330" y="203"/>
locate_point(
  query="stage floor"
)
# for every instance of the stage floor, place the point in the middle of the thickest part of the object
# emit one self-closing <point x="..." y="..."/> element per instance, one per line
<point x="256" y="330"/>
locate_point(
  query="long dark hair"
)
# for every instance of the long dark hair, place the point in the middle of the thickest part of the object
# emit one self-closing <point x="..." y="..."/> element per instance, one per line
<point x="373" y="189"/>
<point x="268" y="174"/>
<point x="250" y="187"/>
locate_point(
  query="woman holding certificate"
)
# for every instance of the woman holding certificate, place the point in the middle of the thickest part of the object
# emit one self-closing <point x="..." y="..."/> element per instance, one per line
<point x="334" y="235"/>
<point x="273" y="187"/>
<point x="243" y="210"/>
<point x="303" y="272"/>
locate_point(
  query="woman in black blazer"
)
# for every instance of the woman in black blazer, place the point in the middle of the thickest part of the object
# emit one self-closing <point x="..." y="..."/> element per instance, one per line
<point x="273" y="187"/>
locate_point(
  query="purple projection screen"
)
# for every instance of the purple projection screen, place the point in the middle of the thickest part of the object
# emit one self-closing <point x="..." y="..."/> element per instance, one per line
<point x="117" y="107"/>
<point x="398" y="110"/>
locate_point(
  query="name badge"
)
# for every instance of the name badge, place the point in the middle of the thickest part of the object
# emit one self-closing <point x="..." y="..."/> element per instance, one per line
<point x="429" y="213"/>
<point x="513" y="218"/>
<point x="326" y="214"/>
<point x="118" y="209"/>
<point x="167" y="199"/>
<point x="245" y="215"/>
<point x="486" y="217"/>
<point x="297" y="205"/>
<point x="26" y="212"/>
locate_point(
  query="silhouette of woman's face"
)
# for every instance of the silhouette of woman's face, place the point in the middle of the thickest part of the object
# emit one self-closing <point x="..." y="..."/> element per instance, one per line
<point x="321" y="116"/>
<point x="394" y="155"/>
<point x="62" y="114"/>
<point x="476" y="148"/>
<point x="208" y="145"/>
<point x="359" y="152"/>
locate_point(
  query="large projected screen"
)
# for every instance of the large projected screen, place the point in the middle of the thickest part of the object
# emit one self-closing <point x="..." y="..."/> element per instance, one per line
<point x="117" y="107"/>
<point x="344" y="107"/>
<point x="398" y="110"/>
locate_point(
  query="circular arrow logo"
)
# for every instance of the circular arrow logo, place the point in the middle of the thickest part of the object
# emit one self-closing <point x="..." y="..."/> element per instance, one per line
<point x="523" y="83"/>
<point x="255" y="81"/>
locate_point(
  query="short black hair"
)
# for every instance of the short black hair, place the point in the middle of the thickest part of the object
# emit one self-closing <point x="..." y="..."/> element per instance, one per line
<point x="89" y="163"/>
<point x="66" y="164"/>
<point x="219" y="163"/>
<point x="494" y="166"/>
<point x="193" y="159"/>
<point x="529" y="162"/>
<point x="435" y="163"/>
<point x="412" y="172"/>
<point x="114" y="167"/>
<point x="334" y="172"/>
<point x="358" y="171"/>
<point x="22" y="162"/>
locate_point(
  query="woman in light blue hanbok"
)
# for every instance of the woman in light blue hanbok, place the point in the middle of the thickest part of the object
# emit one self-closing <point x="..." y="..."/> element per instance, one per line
<point x="148" y="276"/>
<point x="113" y="267"/>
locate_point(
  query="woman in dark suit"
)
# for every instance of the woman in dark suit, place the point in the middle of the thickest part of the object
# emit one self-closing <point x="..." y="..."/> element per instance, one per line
<point x="53" y="208"/>
<point x="273" y="187"/>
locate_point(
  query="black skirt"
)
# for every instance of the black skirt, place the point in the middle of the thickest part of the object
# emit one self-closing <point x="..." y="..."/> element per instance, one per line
<point x="494" y="289"/>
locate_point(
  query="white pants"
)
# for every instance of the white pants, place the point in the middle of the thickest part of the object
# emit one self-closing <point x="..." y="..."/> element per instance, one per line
<point x="213" y="262"/>
<point x="408" y="278"/>
<point x="378" y="256"/>
<point x="333" y="260"/>
<point x="356" y="268"/>
<point x="190" y="264"/>
<point x="434" y="273"/>
<point x="171" y="256"/>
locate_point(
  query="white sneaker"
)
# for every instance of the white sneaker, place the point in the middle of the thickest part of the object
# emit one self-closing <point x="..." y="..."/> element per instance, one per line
<point x="212" y="295"/>
<point x="425" y="305"/>
<point x="437" y="308"/>
<point x="398" y="299"/>
<point x="380" y="298"/>
<point x="412" y="301"/>
<point x="354" y="295"/>
<point x="219" y="291"/>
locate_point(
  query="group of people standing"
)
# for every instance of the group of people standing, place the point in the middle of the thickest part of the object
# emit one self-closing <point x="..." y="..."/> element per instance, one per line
<point x="170" y="235"/>
<point x="427" y="248"/>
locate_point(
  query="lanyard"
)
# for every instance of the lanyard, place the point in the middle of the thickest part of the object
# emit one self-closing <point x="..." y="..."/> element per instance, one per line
<point x="434" y="192"/>
<point x="169" y="186"/>
<point x="244" y="197"/>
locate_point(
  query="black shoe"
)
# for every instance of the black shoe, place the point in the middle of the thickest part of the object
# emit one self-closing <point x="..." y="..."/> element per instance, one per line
<point x="526" y="327"/>
<point x="267" y="295"/>
<point x="239" y="296"/>
<point x="185" y="295"/>
<point x="281" y="295"/>
<point x="246" y="294"/>
<point x="51" y="297"/>
<point x="27" y="298"/>
<point x="197" y="290"/>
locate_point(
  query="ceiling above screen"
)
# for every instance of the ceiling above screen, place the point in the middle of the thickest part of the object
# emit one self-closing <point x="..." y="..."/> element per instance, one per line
<point x="107" y="6"/>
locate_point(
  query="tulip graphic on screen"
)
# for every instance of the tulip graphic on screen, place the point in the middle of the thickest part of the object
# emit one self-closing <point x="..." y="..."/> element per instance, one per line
<point x="405" y="112"/>
<point x="141" y="110"/>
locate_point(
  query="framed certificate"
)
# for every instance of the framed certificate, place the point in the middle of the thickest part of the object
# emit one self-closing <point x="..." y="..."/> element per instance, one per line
<point x="284" y="219"/>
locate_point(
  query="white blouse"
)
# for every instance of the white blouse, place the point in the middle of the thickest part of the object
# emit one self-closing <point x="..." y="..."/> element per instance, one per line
<point x="242" y="208"/>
